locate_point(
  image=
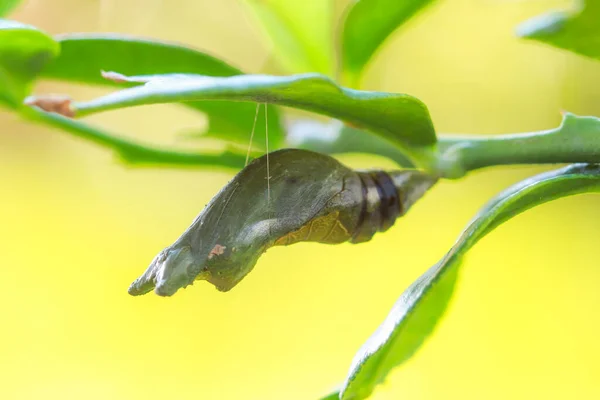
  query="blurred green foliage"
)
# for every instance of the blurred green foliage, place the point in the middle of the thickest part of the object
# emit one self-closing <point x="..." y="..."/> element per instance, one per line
<point x="575" y="30"/>
<point x="7" y="6"/>
<point x="366" y="26"/>
<point x="298" y="31"/>
<point x="24" y="51"/>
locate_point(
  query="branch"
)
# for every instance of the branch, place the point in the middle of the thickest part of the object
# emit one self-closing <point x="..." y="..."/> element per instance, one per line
<point x="576" y="140"/>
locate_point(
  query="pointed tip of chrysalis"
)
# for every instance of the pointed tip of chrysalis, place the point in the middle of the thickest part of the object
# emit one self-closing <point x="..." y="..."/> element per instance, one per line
<point x="412" y="185"/>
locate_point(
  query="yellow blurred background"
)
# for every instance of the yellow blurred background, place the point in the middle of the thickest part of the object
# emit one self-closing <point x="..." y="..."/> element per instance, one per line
<point x="76" y="227"/>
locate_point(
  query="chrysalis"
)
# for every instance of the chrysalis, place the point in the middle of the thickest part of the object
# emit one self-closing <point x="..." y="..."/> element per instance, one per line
<point x="313" y="198"/>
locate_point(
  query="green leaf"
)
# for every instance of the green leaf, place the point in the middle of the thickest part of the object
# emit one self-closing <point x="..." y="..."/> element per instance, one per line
<point x="84" y="56"/>
<point x="366" y="26"/>
<point x="576" y="30"/>
<point x="24" y="51"/>
<point x="421" y="306"/>
<point x="7" y="6"/>
<point x="332" y="396"/>
<point x="337" y="138"/>
<point x="132" y="152"/>
<point x="400" y="118"/>
<point x="299" y="31"/>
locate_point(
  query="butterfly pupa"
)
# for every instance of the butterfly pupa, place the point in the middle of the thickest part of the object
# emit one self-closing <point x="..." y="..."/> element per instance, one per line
<point x="313" y="198"/>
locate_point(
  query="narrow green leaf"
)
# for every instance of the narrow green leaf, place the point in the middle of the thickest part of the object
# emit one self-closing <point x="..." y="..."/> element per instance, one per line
<point x="400" y="118"/>
<point x="24" y="51"/>
<point x="332" y="396"/>
<point x="576" y="30"/>
<point x="132" y="152"/>
<point x="7" y="6"/>
<point x="366" y="26"/>
<point x="84" y="56"/>
<point x="421" y="306"/>
<point x="300" y="32"/>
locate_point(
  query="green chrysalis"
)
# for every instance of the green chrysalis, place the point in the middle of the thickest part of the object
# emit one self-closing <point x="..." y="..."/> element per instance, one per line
<point x="313" y="197"/>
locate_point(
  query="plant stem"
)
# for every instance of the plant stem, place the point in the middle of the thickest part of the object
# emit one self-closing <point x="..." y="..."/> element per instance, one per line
<point x="131" y="151"/>
<point x="576" y="140"/>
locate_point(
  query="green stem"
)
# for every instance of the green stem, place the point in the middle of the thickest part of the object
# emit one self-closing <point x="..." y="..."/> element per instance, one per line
<point x="131" y="151"/>
<point x="576" y="140"/>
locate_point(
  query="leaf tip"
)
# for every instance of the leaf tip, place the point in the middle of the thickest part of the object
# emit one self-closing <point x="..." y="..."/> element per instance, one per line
<point x="58" y="104"/>
<point x="567" y="116"/>
<point x="114" y="76"/>
<point x="542" y="25"/>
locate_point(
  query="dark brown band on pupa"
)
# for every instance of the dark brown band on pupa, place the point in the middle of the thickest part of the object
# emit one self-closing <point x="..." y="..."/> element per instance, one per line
<point x="380" y="205"/>
<point x="363" y="212"/>
<point x="390" y="206"/>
